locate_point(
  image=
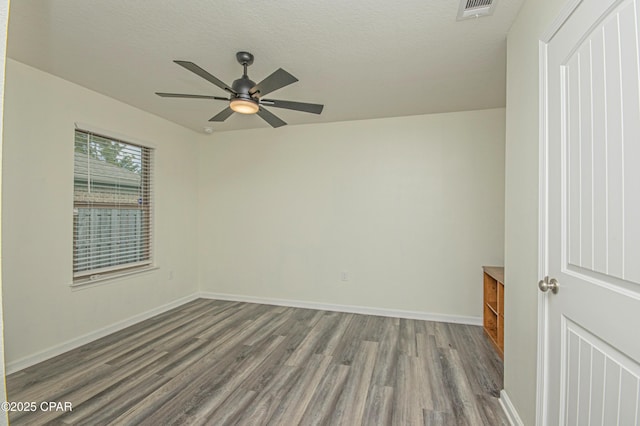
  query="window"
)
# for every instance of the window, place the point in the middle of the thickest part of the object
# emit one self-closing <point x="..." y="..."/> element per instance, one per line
<point x="112" y="207"/>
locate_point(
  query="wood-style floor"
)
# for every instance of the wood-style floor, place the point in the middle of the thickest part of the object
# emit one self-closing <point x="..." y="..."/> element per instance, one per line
<point x="222" y="363"/>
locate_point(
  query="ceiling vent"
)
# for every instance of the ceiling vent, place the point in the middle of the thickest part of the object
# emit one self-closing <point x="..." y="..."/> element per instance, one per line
<point x="475" y="8"/>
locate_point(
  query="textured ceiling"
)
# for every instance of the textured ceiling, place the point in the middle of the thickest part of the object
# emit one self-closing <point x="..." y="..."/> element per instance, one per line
<point x="361" y="59"/>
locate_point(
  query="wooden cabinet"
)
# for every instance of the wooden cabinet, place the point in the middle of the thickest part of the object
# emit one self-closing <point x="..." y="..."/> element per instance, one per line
<point x="494" y="306"/>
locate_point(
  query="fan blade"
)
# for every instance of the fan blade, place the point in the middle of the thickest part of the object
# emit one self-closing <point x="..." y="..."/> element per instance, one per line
<point x="182" y="95"/>
<point x="297" y="106"/>
<point x="275" y="81"/>
<point x="204" y="74"/>
<point x="270" y="118"/>
<point x="222" y="115"/>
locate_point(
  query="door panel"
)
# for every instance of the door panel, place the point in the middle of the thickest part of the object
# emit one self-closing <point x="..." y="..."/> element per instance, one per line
<point x="602" y="383"/>
<point x="593" y="236"/>
<point x="602" y="106"/>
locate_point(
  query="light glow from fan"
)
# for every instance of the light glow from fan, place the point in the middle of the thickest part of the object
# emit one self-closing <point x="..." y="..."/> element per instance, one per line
<point x="244" y="106"/>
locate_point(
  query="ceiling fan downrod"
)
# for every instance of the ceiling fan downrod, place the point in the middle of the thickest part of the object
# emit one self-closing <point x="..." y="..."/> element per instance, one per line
<point x="245" y="59"/>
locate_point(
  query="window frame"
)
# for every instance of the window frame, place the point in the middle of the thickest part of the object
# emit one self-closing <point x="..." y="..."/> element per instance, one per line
<point x="97" y="275"/>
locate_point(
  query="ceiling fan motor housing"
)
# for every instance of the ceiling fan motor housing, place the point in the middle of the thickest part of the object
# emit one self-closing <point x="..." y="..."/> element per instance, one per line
<point x="242" y="86"/>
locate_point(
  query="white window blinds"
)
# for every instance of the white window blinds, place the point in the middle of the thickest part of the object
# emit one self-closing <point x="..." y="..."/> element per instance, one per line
<point x="112" y="206"/>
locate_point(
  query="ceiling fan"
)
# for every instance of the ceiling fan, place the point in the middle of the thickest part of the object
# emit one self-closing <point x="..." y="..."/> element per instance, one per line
<point x="245" y="96"/>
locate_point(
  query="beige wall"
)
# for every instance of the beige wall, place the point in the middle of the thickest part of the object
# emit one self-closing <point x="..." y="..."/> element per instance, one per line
<point x="4" y="17"/>
<point x="40" y="309"/>
<point x="410" y="207"/>
<point x="521" y="215"/>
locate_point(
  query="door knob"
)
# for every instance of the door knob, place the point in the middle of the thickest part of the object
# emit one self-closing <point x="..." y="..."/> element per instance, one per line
<point x="547" y="284"/>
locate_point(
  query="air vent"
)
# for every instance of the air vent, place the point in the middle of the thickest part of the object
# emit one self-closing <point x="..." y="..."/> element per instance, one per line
<point x="472" y="4"/>
<point x="475" y="8"/>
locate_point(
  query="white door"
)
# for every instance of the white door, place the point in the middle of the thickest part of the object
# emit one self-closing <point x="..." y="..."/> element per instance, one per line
<point x="592" y="368"/>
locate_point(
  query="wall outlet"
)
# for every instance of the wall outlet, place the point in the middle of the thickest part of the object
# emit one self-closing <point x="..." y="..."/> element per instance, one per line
<point x="170" y="275"/>
<point x="344" y="276"/>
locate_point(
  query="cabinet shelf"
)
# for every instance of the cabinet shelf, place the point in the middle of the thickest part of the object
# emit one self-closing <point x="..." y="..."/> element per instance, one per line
<point x="493" y="306"/>
<point x="493" y="318"/>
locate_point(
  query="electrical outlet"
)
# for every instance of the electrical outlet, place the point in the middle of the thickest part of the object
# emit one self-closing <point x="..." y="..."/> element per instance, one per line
<point x="170" y="275"/>
<point x="344" y="276"/>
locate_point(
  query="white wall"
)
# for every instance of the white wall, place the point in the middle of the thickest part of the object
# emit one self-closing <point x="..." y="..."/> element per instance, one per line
<point x="40" y="309"/>
<point x="410" y="207"/>
<point x="521" y="216"/>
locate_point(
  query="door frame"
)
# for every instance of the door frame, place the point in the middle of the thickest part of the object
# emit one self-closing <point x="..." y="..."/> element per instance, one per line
<point x="542" y="383"/>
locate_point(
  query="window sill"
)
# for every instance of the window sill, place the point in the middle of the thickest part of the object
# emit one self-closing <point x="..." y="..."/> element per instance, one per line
<point x="84" y="283"/>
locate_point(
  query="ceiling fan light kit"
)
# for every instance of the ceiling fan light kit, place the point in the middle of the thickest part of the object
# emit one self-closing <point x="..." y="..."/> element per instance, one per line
<point x="245" y="95"/>
<point x="244" y="106"/>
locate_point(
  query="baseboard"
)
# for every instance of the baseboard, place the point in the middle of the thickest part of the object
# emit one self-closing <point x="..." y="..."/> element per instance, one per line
<point x="509" y="410"/>
<point x="425" y="316"/>
<point x="30" y="360"/>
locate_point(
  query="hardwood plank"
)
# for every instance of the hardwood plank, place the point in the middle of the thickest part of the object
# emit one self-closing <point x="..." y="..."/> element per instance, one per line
<point x="477" y="363"/>
<point x="462" y="398"/>
<point x="176" y="390"/>
<point x="407" y="409"/>
<point x="114" y="400"/>
<point x="350" y="406"/>
<point x="438" y="418"/>
<point x="222" y="328"/>
<point x="318" y="315"/>
<point x="327" y="347"/>
<point x="235" y="404"/>
<point x="270" y="397"/>
<point x="347" y="348"/>
<point x="384" y="372"/>
<point x="145" y="336"/>
<point x="271" y="365"/>
<point x="174" y="339"/>
<point x="248" y="329"/>
<point x="294" y="403"/>
<point x="407" y="342"/>
<point x="422" y="378"/>
<point x="374" y="328"/>
<point x="431" y="361"/>
<point x="443" y="339"/>
<point x="91" y="387"/>
<point x="379" y="406"/>
<point x="308" y="345"/>
<point x="324" y="400"/>
<point x="191" y="352"/>
<point x="490" y="410"/>
<point x="283" y="316"/>
<point x="490" y="360"/>
<point x="218" y="391"/>
<point x="188" y="395"/>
